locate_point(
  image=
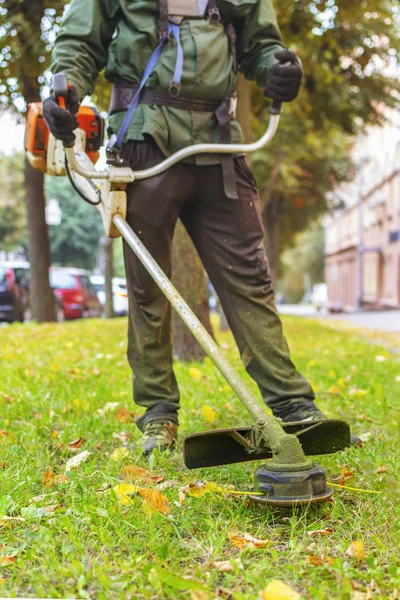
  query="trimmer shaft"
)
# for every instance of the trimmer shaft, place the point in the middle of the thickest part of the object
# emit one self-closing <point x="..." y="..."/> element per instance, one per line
<point x="291" y="488"/>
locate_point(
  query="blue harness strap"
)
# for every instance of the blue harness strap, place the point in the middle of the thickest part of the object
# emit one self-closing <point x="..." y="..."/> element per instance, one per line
<point x="174" y="87"/>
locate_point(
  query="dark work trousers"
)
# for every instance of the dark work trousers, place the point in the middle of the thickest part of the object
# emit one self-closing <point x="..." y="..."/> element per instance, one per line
<point x="228" y="235"/>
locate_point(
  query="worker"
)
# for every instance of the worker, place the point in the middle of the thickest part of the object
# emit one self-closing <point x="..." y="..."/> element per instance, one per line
<point x="174" y="81"/>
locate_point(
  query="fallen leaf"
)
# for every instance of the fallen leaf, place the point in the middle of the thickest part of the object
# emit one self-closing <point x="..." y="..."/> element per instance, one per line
<point x="195" y="373"/>
<point x="42" y="497"/>
<point x="325" y="531"/>
<point x="6" y="520"/>
<point x="381" y="469"/>
<point x="7" y="560"/>
<point x="334" y="390"/>
<point x="317" y="561"/>
<point x="108" y="407"/>
<point x="2" y="581"/>
<point x="356" y="550"/>
<point x="33" y="512"/>
<point x="278" y="590"/>
<point x="122" y="436"/>
<point x="345" y="475"/>
<point x="208" y="414"/>
<point x="119" y="454"/>
<point x="8" y="398"/>
<point x="124" y="415"/>
<point x="133" y="472"/>
<point x="61" y="478"/>
<point x="245" y="540"/>
<point x="54" y="433"/>
<point x="365" y="437"/>
<point x="223" y="566"/>
<point x="48" y="477"/>
<point x="76" y="443"/>
<point x="155" y="501"/>
<point x="123" y="491"/>
<point x="75" y="461"/>
<point x="201" y="488"/>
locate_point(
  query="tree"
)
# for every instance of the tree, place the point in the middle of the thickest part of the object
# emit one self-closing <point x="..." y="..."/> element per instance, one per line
<point x="75" y="241"/>
<point x="347" y="49"/>
<point x="13" y="232"/>
<point x="27" y="31"/>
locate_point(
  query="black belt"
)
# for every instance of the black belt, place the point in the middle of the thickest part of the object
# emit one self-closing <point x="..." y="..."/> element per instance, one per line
<point x="123" y="93"/>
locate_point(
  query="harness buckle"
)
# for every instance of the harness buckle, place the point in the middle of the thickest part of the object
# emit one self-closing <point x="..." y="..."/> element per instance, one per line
<point x="214" y="15"/>
<point x="174" y="89"/>
<point x="112" y="152"/>
<point x="232" y="106"/>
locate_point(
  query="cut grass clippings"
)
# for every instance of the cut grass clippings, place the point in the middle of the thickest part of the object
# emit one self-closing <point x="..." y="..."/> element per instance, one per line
<point x="67" y="438"/>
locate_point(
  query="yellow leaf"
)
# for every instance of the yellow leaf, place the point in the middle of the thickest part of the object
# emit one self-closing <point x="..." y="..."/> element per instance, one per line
<point x="356" y="550"/>
<point x="54" y="433"/>
<point x="201" y="488"/>
<point x="278" y="590"/>
<point x="245" y="540"/>
<point x="119" y="454"/>
<point x="341" y="382"/>
<point x="334" y="389"/>
<point x="155" y="501"/>
<point x="332" y="373"/>
<point x="123" y="490"/>
<point x="208" y="414"/>
<point x="2" y="581"/>
<point x="195" y="373"/>
<point x="318" y="561"/>
<point x="79" y="404"/>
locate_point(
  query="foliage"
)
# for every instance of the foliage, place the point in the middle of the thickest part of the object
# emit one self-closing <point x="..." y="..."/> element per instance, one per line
<point x="75" y="241"/>
<point x="305" y="259"/>
<point x="12" y="202"/>
<point x="349" y="51"/>
<point x="65" y="390"/>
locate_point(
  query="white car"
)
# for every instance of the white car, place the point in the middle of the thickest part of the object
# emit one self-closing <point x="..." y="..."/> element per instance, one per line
<point x="120" y="293"/>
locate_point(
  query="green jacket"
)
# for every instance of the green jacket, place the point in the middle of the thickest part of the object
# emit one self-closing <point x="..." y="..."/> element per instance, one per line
<point x="120" y="36"/>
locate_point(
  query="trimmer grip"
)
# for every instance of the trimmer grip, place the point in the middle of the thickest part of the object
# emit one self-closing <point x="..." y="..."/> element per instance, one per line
<point x="60" y="89"/>
<point x="276" y="107"/>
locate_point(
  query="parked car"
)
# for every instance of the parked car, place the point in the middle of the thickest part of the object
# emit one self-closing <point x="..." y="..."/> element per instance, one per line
<point x="120" y="293"/>
<point x="76" y="293"/>
<point x="14" y="282"/>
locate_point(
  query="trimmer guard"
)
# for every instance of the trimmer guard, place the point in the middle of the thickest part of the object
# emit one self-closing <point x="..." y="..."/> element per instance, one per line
<point x="228" y="446"/>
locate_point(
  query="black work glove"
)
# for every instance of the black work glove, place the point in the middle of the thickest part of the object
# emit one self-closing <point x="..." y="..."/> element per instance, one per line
<point x="62" y="122"/>
<point x="284" y="80"/>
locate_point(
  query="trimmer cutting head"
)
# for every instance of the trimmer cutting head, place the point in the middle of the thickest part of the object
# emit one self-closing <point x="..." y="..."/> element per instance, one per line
<point x="291" y="488"/>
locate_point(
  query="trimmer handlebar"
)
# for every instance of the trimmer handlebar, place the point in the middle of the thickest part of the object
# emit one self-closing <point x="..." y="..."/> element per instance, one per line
<point x="60" y="89"/>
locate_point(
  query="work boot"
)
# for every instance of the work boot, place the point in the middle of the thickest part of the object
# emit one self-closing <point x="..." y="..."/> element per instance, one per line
<point x="310" y="412"/>
<point x="160" y="435"/>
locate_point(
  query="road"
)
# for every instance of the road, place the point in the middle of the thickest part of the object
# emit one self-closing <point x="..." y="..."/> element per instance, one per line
<point x="386" y="320"/>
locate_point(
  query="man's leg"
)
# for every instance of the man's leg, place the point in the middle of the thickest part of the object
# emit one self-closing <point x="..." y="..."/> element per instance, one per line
<point x="229" y="237"/>
<point x="153" y="208"/>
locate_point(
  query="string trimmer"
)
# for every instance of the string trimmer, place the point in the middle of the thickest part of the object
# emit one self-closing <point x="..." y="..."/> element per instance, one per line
<point x="289" y="477"/>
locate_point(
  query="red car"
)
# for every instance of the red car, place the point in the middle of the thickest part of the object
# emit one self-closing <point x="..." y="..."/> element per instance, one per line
<point x="75" y="292"/>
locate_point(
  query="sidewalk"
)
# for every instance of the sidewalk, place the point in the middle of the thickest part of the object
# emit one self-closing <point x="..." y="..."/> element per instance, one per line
<point x="387" y="320"/>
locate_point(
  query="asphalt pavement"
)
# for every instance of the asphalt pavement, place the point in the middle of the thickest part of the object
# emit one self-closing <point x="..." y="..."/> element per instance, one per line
<point x="385" y="320"/>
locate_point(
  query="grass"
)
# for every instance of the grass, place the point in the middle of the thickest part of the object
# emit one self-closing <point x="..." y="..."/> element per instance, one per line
<point x="53" y="381"/>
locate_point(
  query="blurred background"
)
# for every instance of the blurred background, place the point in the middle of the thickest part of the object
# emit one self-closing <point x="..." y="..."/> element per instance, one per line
<point x="329" y="183"/>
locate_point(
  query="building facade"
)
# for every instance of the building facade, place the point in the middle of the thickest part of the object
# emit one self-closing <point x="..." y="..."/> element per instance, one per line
<point x="362" y="239"/>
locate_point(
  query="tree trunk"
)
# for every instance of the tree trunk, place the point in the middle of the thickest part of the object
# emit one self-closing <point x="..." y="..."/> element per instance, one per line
<point x="190" y="280"/>
<point x="40" y="293"/>
<point x="244" y="107"/>
<point x="108" y="272"/>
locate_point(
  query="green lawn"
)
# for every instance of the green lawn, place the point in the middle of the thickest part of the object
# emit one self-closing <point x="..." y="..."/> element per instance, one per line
<point x="73" y="538"/>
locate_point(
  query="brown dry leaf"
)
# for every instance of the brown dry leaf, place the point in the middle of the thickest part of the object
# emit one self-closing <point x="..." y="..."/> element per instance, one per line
<point x="8" y="398"/>
<point x="356" y="550"/>
<point x="317" y="561"/>
<point x="51" y="509"/>
<point x="345" y="475"/>
<point x="60" y="479"/>
<point x="223" y="566"/>
<point x="133" y="472"/>
<point x="245" y="540"/>
<point x="155" y="501"/>
<point x="198" y="595"/>
<point x="48" y="477"/>
<point x="7" y="560"/>
<point x="326" y="531"/>
<point x="381" y="469"/>
<point x="123" y="415"/>
<point x="208" y="414"/>
<point x="278" y="590"/>
<point x="75" y="444"/>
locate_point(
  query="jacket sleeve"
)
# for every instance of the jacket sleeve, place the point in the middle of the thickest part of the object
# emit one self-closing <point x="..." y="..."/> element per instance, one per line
<point x="81" y="47"/>
<point x="258" y="36"/>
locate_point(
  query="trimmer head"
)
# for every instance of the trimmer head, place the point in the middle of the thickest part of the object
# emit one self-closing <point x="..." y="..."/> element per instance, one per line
<point x="291" y="488"/>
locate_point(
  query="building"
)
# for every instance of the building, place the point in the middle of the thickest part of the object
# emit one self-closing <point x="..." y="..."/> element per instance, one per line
<point x="362" y="239"/>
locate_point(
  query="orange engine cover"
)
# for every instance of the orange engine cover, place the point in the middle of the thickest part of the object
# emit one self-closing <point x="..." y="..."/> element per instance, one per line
<point x="37" y="133"/>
